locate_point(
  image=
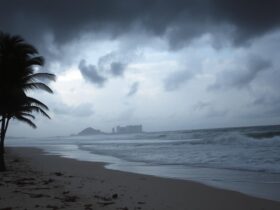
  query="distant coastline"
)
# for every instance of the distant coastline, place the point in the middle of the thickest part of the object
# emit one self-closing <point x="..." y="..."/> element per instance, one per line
<point x="118" y="130"/>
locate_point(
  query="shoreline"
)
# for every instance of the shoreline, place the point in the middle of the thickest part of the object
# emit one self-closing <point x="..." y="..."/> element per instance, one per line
<point x="252" y="183"/>
<point x="92" y="186"/>
<point x="246" y="182"/>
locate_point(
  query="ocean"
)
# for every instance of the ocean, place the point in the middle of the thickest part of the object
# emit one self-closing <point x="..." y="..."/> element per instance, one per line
<point x="243" y="159"/>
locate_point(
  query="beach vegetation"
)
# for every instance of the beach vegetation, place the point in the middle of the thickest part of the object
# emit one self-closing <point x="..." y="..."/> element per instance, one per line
<point x="19" y="73"/>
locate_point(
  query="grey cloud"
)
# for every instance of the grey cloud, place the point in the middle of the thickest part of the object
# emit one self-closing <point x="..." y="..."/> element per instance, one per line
<point x="269" y="101"/>
<point x="264" y="106"/>
<point x="133" y="89"/>
<point x="202" y="105"/>
<point x="117" y="68"/>
<point x="179" y="21"/>
<point x="209" y="110"/>
<point x="107" y="66"/>
<point x="176" y="79"/>
<point x="82" y="110"/>
<point x="250" y="18"/>
<point x="126" y="116"/>
<point x="111" y="64"/>
<point x="243" y="74"/>
<point x="216" y="113"/>
<point x="266" y="100"/>
<point x="91" y="74"/>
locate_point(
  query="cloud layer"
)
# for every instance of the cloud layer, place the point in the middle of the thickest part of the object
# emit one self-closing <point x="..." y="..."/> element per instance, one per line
<point x="178" y="21"/>
<point x="192" y="58"/>
<point x="244" y="73"/>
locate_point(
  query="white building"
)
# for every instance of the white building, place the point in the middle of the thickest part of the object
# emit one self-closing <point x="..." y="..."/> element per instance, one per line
<point x="129" y="129"/>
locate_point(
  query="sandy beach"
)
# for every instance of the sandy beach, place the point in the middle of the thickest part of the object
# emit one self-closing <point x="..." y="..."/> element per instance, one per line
<point x="35" y="180"/>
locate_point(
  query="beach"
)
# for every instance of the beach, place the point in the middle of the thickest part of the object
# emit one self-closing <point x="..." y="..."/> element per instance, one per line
<point x="36" y="180"/>
<point x="230" y="159"/>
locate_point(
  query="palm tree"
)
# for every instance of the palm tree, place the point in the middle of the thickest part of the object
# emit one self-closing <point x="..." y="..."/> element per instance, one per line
<point x="17" y="76"/>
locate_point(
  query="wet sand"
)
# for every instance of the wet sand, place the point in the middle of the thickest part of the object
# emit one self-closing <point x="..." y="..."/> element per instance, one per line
<point x="35" y="180"/>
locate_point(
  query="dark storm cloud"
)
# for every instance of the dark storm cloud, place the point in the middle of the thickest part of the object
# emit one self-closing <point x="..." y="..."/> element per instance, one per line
<point x="250" y="18"/>
<point x="133" y="89"/>
<point x="243" y="74"/>
<point x="179" y="21"/>
<point x="91" y="74"/>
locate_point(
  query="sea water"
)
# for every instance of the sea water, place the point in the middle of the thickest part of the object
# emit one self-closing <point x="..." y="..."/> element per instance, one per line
<point x="240" y="159"/>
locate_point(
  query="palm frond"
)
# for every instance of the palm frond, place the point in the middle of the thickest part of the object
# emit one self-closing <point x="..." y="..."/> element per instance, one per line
<point x="14" y="39"/>
<point x="38" y="61"/>
<point x="27" y="115"/>
<point x="36" y="102"/>
<point x="37" y="85"/>
<point x="25" y="120"/>
<point x="36" y="109"/>
<point x="34" y="77"/>
<point x="26" y="48"/>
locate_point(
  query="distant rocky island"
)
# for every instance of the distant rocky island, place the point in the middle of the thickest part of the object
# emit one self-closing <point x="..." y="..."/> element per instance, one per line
<point x="89" y="131"/>
<point x="118" y="130"/>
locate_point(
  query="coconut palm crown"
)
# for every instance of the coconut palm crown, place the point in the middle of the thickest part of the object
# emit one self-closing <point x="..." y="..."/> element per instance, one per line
<point x="18" y="60"/>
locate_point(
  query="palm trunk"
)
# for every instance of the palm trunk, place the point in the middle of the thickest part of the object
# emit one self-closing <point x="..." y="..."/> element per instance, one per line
<point x="2" y="159"/>
<point x="4" y="127"/>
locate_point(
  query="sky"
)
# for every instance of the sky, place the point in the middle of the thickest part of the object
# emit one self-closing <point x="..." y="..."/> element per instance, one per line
<point x="165" y="64"/>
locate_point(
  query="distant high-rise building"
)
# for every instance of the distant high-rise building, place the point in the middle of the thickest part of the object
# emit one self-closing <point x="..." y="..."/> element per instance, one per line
<point x="129" y="129"/>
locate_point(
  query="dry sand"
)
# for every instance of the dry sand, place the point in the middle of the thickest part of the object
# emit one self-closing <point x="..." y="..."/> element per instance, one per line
<point x="38" y="181"/>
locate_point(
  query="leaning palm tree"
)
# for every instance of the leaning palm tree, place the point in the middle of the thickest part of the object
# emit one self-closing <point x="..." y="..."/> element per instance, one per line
<point x="18" y="60"/>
